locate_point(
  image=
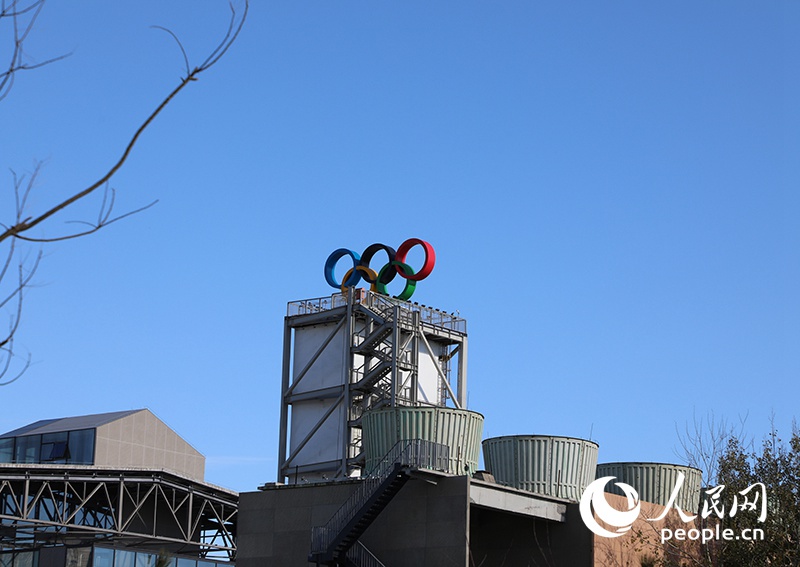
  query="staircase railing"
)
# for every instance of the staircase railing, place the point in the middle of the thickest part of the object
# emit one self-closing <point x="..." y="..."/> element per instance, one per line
<point x="414" y="453"/>
<point x="362" y="556"/>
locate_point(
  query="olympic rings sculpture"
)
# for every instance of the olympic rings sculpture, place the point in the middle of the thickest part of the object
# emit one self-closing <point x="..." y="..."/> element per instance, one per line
<point x="378" y="280"/>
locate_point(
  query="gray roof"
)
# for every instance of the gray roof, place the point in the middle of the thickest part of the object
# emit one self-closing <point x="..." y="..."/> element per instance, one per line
<point x="69" y="423"/>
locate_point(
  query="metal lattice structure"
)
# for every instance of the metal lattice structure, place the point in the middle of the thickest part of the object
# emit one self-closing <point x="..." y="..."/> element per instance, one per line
<point x="356" y="351"/>
<point x="75" y="506"/>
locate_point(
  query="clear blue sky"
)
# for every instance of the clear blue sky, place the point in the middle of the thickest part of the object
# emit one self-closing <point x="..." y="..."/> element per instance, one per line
<point x="612" y="189"/>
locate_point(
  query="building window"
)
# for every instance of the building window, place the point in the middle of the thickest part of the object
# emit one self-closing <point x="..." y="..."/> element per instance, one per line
<point x="78" y="556"/>
<point x="103" y="557"/>
<point x="27" y="449"/>
<point x="25" y="559"/>
<point x="65" y="447"/>
<point x="145" y="560"/>
<point x="7" y="451"/>
<point x="124" y="558"/>
<point x="81" y="447"/>
<point x="19" y="559"/>
<point x="55" y="448"/>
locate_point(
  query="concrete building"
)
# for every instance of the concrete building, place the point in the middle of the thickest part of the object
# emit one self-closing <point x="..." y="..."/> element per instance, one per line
<point x="436" y="519"/>
<point x="116" y="440"/>
<point x="116" y="489"/>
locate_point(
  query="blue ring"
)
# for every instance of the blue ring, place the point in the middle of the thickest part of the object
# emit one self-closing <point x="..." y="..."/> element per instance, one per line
<point x="330" y="265"/>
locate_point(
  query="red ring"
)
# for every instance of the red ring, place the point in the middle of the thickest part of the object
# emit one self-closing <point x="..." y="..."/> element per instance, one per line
<point x="430" y="258"/>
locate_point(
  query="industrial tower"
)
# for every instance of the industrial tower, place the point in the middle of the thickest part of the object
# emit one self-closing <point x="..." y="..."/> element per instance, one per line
<point x="356" y="351"/>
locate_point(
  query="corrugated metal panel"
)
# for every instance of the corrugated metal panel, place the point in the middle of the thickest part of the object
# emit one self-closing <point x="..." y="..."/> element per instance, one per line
<point x="555" y="466"/>
<point x="460" y="430"/>
<point x="655" y="482"/>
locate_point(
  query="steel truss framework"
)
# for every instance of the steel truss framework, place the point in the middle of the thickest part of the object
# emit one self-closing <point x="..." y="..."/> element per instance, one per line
<point x="46" y="506"/>
<point x="385" y="339"/>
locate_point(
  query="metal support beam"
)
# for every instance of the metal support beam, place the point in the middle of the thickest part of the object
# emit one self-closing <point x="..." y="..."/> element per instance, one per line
<point x="46" y="505"/>
<point x="462" y="373"/>
<point x="285" y="379"/>
<point x="442" y="377"/>
<point x="347" y="379"/>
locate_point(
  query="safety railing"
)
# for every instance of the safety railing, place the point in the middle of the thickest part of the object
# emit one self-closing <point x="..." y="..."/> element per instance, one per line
<point x="382" y="304"/>
<point x="414" y="453"/>
<point x="362" y="556"/>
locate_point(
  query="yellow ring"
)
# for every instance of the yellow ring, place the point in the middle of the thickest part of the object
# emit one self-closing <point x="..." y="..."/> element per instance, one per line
<point x="373" y="277"/>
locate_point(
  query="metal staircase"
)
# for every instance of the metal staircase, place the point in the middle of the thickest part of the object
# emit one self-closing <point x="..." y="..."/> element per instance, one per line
<point x="336" y="543"/>
<point x="384" y="368"/>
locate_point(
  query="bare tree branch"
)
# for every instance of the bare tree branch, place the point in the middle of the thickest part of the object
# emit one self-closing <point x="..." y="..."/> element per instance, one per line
<point x="24" y="279"/>
<point x="703" y="441"/>
<point x="20" y="17"/>
<point x="230" y="37"/>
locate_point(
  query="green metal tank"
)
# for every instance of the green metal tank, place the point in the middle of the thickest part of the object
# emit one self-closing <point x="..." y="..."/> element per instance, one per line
<point x="553" y="466"/>
<point x="460" y="430"/>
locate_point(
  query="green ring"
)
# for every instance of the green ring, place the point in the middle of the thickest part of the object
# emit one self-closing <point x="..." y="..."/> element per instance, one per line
<point x="411" y="285"/>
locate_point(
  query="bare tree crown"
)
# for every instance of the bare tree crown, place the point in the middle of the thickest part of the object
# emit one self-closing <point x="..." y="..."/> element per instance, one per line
<point x="17" y="22"/>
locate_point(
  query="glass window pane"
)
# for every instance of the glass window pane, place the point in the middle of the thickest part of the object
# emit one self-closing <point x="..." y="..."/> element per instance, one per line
<point x="7" y="450"/>
<point x="44" y="452"/>
<point x="124" y="558"/>
<point x="57" y="452"/>
<point x="145" y="560"/>
<point x="81" y="447"/>
<point x="78" y="556"/>
<point x="186" y="562"/>
<point x="6" y="559"/>
<point x="103" y="557"/>
<point x="54" y="437"/>
<point x="27" y="449"/>
<point x="24" y="559"/>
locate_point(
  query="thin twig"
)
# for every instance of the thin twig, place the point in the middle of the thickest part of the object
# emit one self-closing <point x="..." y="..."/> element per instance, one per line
<point x="22" y="18"/>
<point x="17" y="229"/>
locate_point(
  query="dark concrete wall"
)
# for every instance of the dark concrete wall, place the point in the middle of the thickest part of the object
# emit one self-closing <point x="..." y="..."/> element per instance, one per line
<point x="503" y="539"/>
<point x="425" y="525"/>
<point x="274" y="526"/>
<point x="52" y="556"/>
